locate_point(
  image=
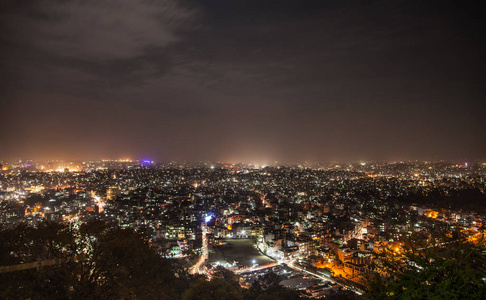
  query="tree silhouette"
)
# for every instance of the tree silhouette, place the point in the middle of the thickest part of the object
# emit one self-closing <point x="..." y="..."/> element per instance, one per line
<point x="268" y="287"/>
<point x="217" y="289"/>
<point x="451" y="270"/>
<point x="117" y="264"/>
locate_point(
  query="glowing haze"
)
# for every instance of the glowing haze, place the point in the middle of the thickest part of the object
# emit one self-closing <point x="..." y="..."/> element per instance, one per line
<point x="242" y="80"/>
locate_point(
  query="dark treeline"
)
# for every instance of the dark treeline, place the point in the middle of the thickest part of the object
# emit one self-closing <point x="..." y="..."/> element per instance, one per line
<point x="466" y="199"/>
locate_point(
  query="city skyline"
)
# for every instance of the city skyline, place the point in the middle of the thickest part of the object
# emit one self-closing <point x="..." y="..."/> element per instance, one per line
<point x="242" y="80"/>
<point x="318" y="232"/>
<point x="76" y="165"/>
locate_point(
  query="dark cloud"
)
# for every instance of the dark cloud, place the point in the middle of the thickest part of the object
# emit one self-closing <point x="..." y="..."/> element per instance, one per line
<point x="242" y="80"/>
<point x="113" y="42"/>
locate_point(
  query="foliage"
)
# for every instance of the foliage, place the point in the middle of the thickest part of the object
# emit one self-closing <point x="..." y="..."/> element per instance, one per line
<point x="224" y="285"/>
<point x="268" y="287"/>
<point x="454" y="269"/>
<point x="117" y="264"/>
<point x="216" y="288"/>
<point x="226" y="275"/>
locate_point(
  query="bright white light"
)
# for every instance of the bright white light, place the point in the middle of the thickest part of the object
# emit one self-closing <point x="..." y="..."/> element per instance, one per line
<point x="207" y="218"/>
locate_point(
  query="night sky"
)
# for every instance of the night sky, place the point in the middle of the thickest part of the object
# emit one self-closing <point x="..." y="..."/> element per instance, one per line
<point x="242" y="80"/>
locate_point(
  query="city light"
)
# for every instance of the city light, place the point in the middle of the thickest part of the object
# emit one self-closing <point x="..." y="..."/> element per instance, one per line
<point x="242" y="149"/>
<point x="337" y="236"/>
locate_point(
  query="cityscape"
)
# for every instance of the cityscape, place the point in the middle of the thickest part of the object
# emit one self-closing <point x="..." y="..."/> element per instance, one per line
<point x="322" y="228"/>
<point x="242" y="149"/>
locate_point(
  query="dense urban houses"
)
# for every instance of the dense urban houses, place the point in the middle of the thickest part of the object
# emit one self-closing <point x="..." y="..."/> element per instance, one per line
<point x="322" y="228"/>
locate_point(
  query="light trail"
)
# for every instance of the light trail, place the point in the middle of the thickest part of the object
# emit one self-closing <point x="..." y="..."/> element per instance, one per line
<point x="196" y="269"/>
<point x="258" y="268"/>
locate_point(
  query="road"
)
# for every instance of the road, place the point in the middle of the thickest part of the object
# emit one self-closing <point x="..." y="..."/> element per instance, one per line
<point x="293" y="266"/>
<point x="264" y="201"/>
<point x="257" y="268"/>
<point x="197" y="268"/>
